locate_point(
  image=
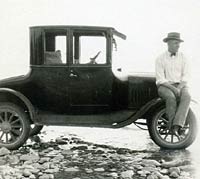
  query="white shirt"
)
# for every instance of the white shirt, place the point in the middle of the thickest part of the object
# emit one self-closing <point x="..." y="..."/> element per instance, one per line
<point x="173" y="69"/>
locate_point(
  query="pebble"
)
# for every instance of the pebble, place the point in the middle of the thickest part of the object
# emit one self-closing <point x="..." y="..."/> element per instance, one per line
<point x="174" y="174"/>
<point x="32" y="176"/>
<point x="147" y="162"/>
<point x="127" y="174"/>
<point x="2" y="161"/>
<point x="29" y="157"/>
<point x="4" y="151"/>
<point x="44" y="176"/>
<point x="175" y="169"/>
<point x="86" y="161"/>
<point x="26" y="173"/>
<point x="72" y="169"/>
<point x="87" y="170"/>
<point x="99" y="169"/>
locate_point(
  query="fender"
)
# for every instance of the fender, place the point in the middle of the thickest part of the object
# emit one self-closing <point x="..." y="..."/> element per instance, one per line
<point x="22" y="98"/>
<point x="147" y="109"/>
<point x="144" y="111"/>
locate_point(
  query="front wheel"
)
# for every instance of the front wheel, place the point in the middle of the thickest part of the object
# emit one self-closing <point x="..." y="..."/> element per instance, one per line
<point x="14" y="126"/>
<point x="165" y="138"/>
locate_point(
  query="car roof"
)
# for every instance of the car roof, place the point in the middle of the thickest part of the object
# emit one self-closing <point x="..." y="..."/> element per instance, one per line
<point x="81" y="27"/>
<point x="72" y="26"/>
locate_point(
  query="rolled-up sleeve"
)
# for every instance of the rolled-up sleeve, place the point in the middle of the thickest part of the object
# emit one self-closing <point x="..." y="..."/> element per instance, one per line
<point x="160" y="72"/>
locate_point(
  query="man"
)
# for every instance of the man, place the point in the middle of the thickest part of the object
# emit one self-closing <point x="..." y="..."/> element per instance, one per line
<point x="172" y="75"/>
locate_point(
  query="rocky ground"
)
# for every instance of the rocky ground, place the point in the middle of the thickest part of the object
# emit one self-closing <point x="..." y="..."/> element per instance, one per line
<point x="69" y="157"/>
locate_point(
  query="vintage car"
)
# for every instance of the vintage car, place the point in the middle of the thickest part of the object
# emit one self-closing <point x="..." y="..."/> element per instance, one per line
<point x="71" y="83"/>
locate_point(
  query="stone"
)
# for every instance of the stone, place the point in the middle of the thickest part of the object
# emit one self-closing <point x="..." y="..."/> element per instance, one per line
<point x="67" y="152"/>
<point x="72" y="169"/>
<point x="29" y="157"/>
<point x="175" y="163"/>
<point x="26" y="173"/>
<point x="142" y="173"/>
<point x="2" y="161"/>
<point x="148" y="162"/>
<point x="152" y="177"/>
<point x="127" y="174"/>
<point x="165" y="177"/>
<point x="44" y="176"/>
<point x="46" y="165"/>
<point x="81" y="147"/>
<point x="50" y="171"/>
<point x="60" y="141"/>
<point x="149" y="169"/>
<point x="13" y="159"/>
<point x="174" y="174"/>
<point x="32" y="176"/>
<point x="187" y="168"/>
<point x="58" y="158"/>
<point x="43" y="160"/>
<point x="175" y="169"/>
<point x="98" y="152"/>
<point x="4" y="151"/>
<point x="35" y="171"/>
<point x="122" y="151"/>
<point x="99" y="169"/>
<point x="51" y="176"/>
<point x="87" y="170"/>
<point x="164" y="171"/>
<point x="138" y="167"/>
<point x="113" y="174"/>
<point x="158" y="174"/>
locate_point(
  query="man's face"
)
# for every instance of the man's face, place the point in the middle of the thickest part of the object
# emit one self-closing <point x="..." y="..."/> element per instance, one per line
<point x="173" y="46"/>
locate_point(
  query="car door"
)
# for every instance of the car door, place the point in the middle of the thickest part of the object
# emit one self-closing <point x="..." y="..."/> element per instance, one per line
<point x="90" y="74"/>
<point x="51" y="76"/>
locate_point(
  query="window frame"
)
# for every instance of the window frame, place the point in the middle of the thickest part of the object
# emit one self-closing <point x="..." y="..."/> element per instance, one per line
<point x="90" y="33"/>
<point x="57" y="32"/>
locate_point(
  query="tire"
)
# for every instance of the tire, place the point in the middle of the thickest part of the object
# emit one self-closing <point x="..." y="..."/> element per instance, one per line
<point x="165" y="138"/>
<point x="14" y="126"/>
<point x="35" y="129"/>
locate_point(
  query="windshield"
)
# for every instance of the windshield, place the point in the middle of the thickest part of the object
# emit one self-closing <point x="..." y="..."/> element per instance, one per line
<point x="117" y="52"/>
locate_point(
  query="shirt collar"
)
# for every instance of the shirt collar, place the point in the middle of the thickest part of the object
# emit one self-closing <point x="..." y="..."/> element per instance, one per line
<point x="169" y="54"/>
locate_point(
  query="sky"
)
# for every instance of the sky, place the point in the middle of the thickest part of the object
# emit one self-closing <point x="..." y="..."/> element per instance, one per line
<point x="145" y="22"/>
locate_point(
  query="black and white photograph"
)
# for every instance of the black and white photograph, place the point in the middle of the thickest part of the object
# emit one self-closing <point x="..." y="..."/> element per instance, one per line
<point x="99" y="89"/>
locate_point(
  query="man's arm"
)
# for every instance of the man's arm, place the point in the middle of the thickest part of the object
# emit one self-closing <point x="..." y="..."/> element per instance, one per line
<point x="185" y="74"/>
<point x="175" y="90"/>
<point x="161" y="80"/>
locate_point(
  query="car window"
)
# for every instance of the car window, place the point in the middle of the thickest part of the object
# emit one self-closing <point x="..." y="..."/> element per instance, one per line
<point x="89" y="50"/>
<point x="55" y="49"/>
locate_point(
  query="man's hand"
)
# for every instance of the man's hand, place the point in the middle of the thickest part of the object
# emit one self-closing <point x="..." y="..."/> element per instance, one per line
<point x="175" y="90"/>
<point x="182" y="85"/>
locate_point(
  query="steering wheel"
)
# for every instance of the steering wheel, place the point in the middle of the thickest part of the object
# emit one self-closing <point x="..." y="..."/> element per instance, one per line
<point x="93" y="58"/>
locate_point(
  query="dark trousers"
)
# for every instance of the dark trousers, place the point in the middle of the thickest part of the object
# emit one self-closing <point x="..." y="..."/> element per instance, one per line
<point x="176" y="109"/>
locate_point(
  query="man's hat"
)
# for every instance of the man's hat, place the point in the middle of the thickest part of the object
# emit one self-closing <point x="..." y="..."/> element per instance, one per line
<point x="173" y="36"/>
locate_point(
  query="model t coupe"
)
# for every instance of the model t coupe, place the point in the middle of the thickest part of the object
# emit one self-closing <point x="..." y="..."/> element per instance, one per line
<point x="71" y="82"/>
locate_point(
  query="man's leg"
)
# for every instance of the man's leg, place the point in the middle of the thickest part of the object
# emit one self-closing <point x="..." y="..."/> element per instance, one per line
<point x="170" y="99"/>
<point x="183" y="108"/>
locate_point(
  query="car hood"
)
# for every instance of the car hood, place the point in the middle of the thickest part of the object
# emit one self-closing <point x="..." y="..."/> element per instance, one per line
<point x="123" y="76"/>
<point x="7" y="81"/>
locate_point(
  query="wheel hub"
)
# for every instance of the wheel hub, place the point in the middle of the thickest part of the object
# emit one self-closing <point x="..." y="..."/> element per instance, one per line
<point x="5" y="127"/>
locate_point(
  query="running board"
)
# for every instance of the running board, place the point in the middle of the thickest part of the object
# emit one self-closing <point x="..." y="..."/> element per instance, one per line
<point x="115" y="119"/>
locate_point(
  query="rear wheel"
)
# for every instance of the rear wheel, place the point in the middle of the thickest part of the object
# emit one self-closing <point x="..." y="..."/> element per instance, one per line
<point x="163" y="137"/>
<point x="14" y="126"/>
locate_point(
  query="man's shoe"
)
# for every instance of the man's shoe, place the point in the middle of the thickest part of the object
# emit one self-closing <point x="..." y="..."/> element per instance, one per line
<point x="176" y="130"/>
